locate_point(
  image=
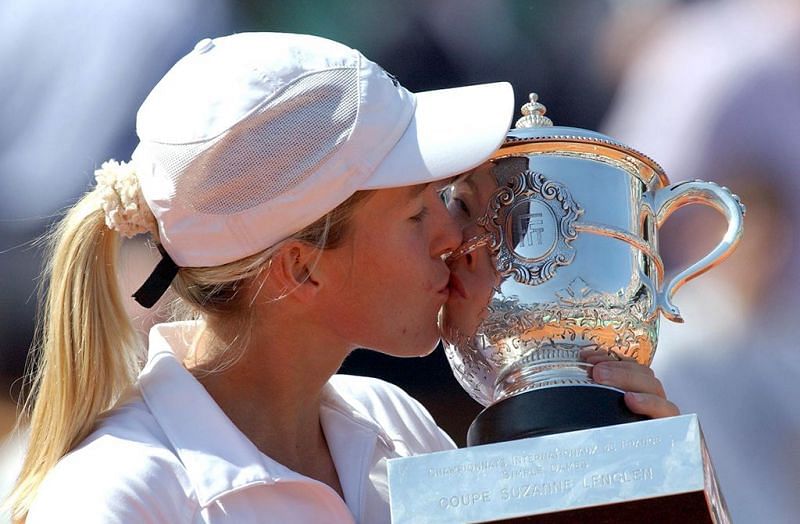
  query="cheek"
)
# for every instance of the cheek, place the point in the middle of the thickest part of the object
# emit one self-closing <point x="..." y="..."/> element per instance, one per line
<point x="486" y="272"/>
<point x="407" y="266"/>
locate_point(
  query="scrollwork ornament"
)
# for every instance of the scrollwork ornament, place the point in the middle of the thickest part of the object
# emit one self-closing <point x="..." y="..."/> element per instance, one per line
<point x="523" y="187"/>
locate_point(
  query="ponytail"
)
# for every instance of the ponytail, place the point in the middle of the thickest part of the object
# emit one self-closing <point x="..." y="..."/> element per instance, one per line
<point x="86" y="350"/>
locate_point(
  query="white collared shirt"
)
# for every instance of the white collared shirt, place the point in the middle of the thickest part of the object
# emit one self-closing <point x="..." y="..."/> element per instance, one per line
<point x="169" y="454"/>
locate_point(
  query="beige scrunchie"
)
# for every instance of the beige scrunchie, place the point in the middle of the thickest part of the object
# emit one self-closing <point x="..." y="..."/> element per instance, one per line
<point x="122" y="200"/>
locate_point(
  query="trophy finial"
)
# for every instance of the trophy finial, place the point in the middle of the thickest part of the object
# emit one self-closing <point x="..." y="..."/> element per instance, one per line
<point x="533" y="114"/>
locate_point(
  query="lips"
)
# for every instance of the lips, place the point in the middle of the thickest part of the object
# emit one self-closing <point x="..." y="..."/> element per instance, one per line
<point x="457" y="286"/>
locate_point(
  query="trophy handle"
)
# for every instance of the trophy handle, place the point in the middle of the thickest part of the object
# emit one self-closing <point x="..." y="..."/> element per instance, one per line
<point x="669" y="199"/>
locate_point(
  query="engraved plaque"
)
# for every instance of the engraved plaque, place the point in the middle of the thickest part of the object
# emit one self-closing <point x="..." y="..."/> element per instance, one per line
<point x="654" y="468"/>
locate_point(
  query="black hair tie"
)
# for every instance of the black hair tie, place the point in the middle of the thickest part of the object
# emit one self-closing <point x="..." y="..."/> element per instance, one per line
<point x="159" y="280"/>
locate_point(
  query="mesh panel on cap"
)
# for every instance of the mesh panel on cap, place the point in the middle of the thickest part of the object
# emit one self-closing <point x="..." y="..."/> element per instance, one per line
<point x="273" y="150"/>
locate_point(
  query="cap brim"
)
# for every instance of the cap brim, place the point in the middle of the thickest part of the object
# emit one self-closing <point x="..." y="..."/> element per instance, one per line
<point x="452" y="131"/>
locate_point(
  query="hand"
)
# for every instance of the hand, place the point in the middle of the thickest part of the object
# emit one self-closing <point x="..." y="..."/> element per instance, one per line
<point x="644" y="392"/>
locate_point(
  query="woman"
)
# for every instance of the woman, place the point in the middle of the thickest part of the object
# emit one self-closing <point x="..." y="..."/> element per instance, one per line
<point x="293" y="189"/>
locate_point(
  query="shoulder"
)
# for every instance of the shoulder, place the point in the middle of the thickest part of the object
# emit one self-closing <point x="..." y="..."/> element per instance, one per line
<point x="377" y="397"/>
<point x="123" y="472"/>
<point x="402" y="417"/>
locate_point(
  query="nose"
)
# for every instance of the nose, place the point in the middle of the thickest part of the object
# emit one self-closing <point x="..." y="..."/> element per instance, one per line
<point x="469" y="243"/>
<point x="449" y="235"/>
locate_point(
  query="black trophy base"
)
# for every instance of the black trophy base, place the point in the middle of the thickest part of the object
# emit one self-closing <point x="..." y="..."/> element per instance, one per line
<point x="682" y="508"/>
<point x="550" y="410"/>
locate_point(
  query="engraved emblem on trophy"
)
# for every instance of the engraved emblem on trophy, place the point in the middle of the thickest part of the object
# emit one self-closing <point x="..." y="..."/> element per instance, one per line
<point x="562" y="255"/>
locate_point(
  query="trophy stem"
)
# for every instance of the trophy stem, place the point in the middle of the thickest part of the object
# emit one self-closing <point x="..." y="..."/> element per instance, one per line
<point x="550" y="410"/>
<point x="557" y="363"/>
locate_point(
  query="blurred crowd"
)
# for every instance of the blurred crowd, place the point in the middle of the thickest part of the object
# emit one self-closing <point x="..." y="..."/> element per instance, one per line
<point x="708" y="88"/>
<point x="714" y="93"/>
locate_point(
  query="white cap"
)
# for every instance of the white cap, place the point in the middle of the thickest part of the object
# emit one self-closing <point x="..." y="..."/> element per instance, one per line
<point x="252" y="137"/>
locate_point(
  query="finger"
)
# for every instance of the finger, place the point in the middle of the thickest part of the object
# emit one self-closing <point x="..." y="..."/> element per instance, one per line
<point x="628" y="376"/>
<point x="650" y="405"/>
<point x="630" y="365"/>
<point x="593" y="356"/>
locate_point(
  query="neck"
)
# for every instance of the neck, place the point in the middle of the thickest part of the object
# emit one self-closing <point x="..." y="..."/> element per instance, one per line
<point x="271" y="387"/>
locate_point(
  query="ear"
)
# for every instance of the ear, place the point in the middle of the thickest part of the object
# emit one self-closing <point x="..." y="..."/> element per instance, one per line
<point x="290" y="271"/>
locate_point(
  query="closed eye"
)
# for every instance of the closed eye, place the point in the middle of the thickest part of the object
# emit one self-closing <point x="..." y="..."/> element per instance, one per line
<point x="462" y="206"/>
<point x="421" y="215"/>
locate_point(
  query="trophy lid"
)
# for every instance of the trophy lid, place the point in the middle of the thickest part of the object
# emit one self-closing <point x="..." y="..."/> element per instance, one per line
<point x="538" y="133"/>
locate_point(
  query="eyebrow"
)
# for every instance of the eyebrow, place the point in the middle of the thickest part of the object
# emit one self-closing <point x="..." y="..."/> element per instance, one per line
<point x="466" y="178"/>
<point x="472" y="185"/>
<point x="413" y="191"/>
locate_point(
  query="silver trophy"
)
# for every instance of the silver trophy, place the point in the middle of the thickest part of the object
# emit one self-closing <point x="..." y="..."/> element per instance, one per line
<point x="562" y="256"/>
<point x="565" y="240"/>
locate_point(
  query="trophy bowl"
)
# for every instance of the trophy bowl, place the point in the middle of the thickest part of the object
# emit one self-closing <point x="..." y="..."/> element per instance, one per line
<point x="561" y="255"/>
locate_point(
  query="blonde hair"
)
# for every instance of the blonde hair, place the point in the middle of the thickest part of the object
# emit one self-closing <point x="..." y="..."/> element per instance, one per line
<point x="87" y="352"/>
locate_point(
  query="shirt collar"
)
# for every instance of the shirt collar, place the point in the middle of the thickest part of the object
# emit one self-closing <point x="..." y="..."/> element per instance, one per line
<point x="219" y="458"/>
<point x="335" y="403"/>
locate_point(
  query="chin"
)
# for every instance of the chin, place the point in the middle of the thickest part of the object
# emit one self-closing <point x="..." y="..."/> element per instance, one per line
<point x="430" y="349"/>
<point x="422" y="349"/>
